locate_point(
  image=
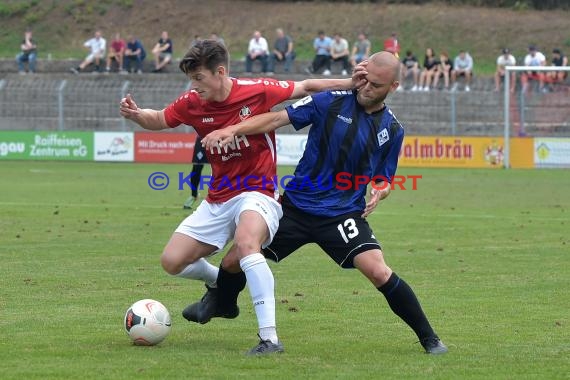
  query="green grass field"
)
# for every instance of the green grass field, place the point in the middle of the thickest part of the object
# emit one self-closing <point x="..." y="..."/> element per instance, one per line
<point x="487" y="252"/>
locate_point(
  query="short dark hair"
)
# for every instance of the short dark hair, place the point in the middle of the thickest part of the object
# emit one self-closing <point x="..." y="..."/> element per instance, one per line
<point x="205" y="53"/>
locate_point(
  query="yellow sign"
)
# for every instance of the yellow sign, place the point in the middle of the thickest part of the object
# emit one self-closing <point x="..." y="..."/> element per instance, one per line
<point x="463" y="152"/>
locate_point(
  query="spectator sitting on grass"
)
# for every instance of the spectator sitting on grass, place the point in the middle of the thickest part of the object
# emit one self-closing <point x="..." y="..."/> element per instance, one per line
<point x="322" y="45"/>
<point x="28" y="53"/>
<point x="340" y="53"/>
<point x="282" y="51"/>
<point x="504" y="60"/>
<point x="444" y="70"/>
<point x="135" y="53"/>
<point x="162" y="52"/>
<point x="533" y="58"/>
<point x="97" y="46"/>
<point x="257" y="50"/>
<point x="410" y="65"/>
<point x="429" y="71"/>
<point x="559" y="60"/>
<point x="360" y="49"/>
<point x="116" y="53"/>
<point x="462" y="67"/>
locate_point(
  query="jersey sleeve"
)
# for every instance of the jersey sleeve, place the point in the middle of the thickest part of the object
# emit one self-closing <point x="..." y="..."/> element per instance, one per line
<point x="176" y="112"/>
<point x="302" y="112"/>
<point x="387" y="168"/>
<point x="277" y="91"/>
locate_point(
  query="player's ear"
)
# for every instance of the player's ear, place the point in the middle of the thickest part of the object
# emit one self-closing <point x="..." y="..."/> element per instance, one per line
<point x="394" y="86"/>
<point x="222" y="70"/>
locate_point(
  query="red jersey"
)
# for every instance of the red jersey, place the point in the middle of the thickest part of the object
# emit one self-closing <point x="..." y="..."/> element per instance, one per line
<point x="249" y="164"/>
<point x="118" y="45"/>
<point x="391" y="45"/>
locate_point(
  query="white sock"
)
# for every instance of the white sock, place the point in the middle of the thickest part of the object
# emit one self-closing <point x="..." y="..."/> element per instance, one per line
<point x="260" y="283"/>
<point x="269" y="333"/>
<point x="201" y="270"/>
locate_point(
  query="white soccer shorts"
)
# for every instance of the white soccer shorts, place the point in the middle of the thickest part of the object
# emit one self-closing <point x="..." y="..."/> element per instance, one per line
<point x="215" y="223"/>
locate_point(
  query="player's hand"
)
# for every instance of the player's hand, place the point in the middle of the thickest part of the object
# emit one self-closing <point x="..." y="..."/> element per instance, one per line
<point x="359" y="74"/>
<point x="128" y="108"/>
<point x="377" y="193"/>
<point x="218" y="138"/>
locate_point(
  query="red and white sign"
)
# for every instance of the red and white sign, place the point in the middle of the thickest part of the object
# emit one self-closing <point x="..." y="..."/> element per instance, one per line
<point x="164" y="147"/>
<point x="113" y="146"/>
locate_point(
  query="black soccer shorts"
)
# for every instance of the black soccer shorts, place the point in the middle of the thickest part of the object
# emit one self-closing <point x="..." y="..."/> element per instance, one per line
<point x="342" y="237"/>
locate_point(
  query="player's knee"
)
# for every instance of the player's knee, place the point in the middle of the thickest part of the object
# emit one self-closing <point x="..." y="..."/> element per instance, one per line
<point x="173" y="263"/>
<point x="373" y="266"/>
<point x="380" y="275"/>
<point x="231" y="262"/>
<point x="169" y="265"/>
<point x="245" y="246"/>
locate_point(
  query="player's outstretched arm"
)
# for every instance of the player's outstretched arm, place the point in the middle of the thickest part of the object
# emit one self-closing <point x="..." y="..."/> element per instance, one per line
<point x="146" y="118"/>
<point x="310" y="86"/>
<point x="263" y="123"/>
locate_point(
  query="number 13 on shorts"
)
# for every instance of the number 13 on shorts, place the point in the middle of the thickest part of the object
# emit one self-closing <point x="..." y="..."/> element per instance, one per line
<point x="347" y="229"/>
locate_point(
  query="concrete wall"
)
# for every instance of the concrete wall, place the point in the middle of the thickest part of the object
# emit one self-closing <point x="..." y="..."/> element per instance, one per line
<point x="90" y="102"/>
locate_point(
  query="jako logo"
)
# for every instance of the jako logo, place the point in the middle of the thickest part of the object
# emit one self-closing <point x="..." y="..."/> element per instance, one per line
<point x="208" y="120"/>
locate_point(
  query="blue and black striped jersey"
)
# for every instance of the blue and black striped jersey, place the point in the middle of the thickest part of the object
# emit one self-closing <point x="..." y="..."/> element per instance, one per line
<point x="346" y="148"/>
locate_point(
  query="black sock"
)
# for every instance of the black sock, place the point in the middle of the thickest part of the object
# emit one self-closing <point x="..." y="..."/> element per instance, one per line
<point x="229" y="286"/>
<point x="405" y="305"/>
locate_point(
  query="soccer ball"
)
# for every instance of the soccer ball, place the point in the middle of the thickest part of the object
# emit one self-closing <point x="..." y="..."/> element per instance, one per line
<point x="147" y="322"/>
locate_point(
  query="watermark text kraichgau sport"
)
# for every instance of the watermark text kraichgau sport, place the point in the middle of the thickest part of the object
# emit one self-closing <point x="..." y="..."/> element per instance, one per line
<point x="341" y="181"/>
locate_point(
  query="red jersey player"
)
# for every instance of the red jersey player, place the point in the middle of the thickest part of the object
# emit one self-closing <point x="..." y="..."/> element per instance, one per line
<point x="245" y="210"/>
<point x="248" y="163"/>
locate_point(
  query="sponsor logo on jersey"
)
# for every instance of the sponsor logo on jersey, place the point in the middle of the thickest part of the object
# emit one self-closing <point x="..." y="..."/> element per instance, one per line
<point x="347" y="120"/>
<point x="283" y="84"/>
<point x="383" y="137"/>
<point x="244" y="113"/>
<point x="230" y="156"/>
<point x="207" y="120"/>
<point x="230" y="151"/>
<point x="248" y="81"/>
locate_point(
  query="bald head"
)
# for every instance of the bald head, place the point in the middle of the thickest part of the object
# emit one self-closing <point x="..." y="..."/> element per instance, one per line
<point x="386" y="60"/>
<point x="382" y="79"/>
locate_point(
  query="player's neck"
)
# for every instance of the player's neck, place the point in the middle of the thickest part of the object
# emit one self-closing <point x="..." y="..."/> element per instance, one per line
<point x="225" y="90"/>
<point x="374" y="108"/>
